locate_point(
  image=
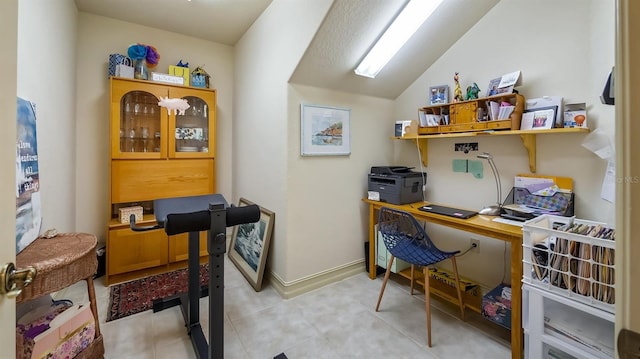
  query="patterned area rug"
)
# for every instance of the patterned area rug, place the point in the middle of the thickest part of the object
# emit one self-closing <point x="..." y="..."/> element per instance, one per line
<point x="138" y="295"/>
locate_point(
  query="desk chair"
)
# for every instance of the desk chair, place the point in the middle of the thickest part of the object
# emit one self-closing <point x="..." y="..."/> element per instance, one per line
<point x="405" y="239"/>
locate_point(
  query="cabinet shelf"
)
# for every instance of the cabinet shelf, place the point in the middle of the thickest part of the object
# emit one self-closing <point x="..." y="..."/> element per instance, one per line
<point x="528" y="138"/>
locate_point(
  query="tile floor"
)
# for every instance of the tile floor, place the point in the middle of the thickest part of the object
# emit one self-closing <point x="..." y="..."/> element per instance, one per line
<point x="337" y="321"/>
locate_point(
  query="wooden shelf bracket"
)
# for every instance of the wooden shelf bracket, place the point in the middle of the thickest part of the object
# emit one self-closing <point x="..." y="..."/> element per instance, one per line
<point x="424" y="150"/>
<point x="529" y="143"/>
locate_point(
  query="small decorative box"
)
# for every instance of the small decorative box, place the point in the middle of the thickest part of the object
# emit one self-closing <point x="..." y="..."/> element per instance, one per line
<point x="170" y="79"/>
<point x="126" y="212"/>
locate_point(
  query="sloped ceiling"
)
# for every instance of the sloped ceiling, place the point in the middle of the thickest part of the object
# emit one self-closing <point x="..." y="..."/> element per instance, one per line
<point x="349" y="29"/>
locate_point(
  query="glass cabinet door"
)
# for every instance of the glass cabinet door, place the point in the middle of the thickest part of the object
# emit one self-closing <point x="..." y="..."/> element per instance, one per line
<point x="192" y="130"/>
<point x="138" y="123"/>
<point x="140" y="130"/>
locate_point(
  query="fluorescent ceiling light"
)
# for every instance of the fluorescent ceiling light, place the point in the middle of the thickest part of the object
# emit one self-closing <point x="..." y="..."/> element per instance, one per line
<point x="402" y="28"/>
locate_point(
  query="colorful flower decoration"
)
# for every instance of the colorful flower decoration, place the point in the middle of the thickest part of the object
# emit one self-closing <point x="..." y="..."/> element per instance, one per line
<point x="152" y="56"/>
<point x="147" y="52"/>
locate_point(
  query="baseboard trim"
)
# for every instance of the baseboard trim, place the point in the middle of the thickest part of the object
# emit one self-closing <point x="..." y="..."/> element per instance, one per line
<point x="304" y="285"/>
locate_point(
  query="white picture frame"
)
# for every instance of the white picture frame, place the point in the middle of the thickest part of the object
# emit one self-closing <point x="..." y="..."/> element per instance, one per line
<point x="539" y="119"/>
<point x="325" y="131"/>
<point x="438" y="95"/>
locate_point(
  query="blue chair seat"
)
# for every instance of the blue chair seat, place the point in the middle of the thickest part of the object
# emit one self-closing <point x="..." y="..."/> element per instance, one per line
<point x="412" y="251"/>
<point x="407" y="240"/>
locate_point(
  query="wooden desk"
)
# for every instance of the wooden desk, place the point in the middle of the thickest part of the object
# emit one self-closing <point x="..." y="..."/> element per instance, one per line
<point x="482" y="225"/>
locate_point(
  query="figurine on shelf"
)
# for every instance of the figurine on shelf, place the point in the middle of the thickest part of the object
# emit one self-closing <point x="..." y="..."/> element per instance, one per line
<point x="473" y="91"/>
<point x="457" y="92"/>
<point x="178" y="105"/>
<point x="199" y="78"/>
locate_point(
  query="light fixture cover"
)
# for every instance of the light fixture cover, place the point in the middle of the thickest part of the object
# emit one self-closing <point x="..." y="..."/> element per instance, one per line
<point x="403" y="27"/>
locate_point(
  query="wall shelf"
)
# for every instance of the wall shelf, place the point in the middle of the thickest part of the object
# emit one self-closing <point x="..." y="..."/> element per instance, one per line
<point x="528" y="138"/>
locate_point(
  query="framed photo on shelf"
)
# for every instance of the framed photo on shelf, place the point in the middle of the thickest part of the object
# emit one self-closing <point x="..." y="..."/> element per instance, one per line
<point x="325" y="131"/>
<point x="539" y="119"/>
<point x="249" y="245"/>
<point x="438" y="95"/>
<point x="495" y="89"/>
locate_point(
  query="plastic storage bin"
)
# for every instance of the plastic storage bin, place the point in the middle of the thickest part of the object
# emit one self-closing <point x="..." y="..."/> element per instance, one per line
<point x="578" y="265"/>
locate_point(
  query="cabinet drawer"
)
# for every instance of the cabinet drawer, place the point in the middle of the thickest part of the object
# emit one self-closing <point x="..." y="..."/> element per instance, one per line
<point x="179" y="246"/>
<point x="146" y="180"/>
<point x="463" y="112"/>
<point x="499" y="124"/>
<point x="428" y="130"/>
<point x="128" y="251"/>
<point x="464" y="127"/>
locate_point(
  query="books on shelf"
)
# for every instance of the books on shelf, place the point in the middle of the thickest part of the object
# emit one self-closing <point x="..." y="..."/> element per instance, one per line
<point x="499" y="112"/>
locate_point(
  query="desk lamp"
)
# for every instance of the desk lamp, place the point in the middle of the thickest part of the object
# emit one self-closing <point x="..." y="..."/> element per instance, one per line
<point x="493" y="210"/>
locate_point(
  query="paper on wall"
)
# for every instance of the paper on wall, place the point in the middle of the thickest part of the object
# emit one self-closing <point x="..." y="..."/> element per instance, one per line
<point x="598" y="142"/>
<point x="608" y="192"/>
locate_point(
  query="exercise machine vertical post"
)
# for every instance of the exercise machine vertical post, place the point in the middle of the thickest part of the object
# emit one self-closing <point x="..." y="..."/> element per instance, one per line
<point x="216" y="247"/>
<point x="191" y="304"/>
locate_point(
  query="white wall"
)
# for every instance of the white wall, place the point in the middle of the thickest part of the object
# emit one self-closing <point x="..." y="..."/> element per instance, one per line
<point x="46" y="76"/>
<point x="265" y="59"/>
<point x="328" y="222"/>
<point x="97" y="38"/>
<point x="564" y="48"/>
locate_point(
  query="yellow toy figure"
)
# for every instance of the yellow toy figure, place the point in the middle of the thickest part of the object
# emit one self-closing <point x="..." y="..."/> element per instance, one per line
<point x="457" y="92"/>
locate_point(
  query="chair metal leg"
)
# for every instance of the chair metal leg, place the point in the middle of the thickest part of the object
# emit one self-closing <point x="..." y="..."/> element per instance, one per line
<point x="457" y="277"/>
<point x="427" y="303"/>
<point x="384" y="282"/>
<point x="413" y="267"/>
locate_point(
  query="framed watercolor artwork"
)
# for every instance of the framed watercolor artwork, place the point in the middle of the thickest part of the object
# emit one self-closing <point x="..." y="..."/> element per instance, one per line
<point x="249" y="245"/>
<point x="325" y="131"/>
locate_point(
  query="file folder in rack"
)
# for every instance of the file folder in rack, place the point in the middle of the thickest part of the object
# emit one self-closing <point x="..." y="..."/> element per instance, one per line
<point x="521" y="204"/>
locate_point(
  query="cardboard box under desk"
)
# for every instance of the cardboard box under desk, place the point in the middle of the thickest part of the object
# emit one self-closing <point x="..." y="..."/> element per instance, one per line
<point x="441" y="284"/>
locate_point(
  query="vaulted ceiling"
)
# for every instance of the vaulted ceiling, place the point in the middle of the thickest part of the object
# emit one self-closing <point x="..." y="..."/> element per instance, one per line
<point x="349" y="29"/>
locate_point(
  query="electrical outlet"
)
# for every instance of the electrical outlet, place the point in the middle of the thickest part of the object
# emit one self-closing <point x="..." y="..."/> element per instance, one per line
<point x="466" y="146"/>
<point x="475" y="242"/>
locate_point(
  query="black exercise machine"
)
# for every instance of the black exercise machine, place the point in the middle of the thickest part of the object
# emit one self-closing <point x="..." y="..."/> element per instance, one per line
<point x="193" y="215"/>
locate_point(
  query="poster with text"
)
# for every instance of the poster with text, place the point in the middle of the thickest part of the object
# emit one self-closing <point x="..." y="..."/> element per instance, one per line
<point x="28" y="206"/>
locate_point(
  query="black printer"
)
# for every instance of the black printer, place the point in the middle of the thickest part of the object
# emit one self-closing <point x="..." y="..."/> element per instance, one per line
<point x="397" y="184"/>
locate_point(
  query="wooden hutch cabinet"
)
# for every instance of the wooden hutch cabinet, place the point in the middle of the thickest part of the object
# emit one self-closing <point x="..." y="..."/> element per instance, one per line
<point x="155" y="153"/>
